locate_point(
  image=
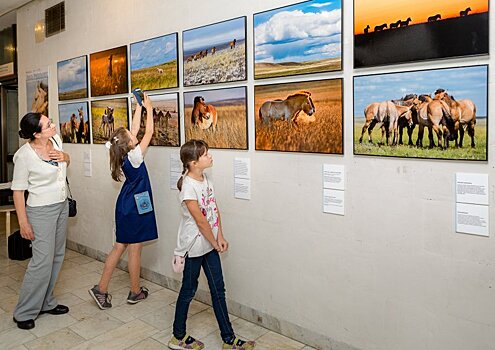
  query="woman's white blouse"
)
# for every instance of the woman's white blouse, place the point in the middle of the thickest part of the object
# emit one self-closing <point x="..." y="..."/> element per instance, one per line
<point x="44" y="182"/>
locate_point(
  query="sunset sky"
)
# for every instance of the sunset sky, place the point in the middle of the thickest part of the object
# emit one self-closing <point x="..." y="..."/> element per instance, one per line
<point x="376" y="12"/>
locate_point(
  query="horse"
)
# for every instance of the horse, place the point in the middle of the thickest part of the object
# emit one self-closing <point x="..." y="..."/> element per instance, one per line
<point x="82" y="130"/>
<point x="366" y="29"/>
<point x="204" y="116"/>
<point x="232" y="44"/>
<point x="109" y="66"/>
<point x="434" y="18"/>
<point x="380" y="27"/>
<point x="465" y="12"/>
<point x="384" y="113"/>
<point x="161" y="119"/>
<point x="107" y="122"/>
<point x="159" y="70"/>
<point x="213" y="50"/>
<point x="405" y="23"/>
<point x="40" y="99"/>
<point x="73" y="128"/>
<point x="463" y="114"/>
<point x="394" y="24"/>
<point x="287" y="109"/>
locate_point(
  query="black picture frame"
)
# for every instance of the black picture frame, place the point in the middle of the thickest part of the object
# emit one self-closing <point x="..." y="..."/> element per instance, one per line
<point x="71" y="130"/>
<point x="193" y="55"/>
<point x="109" y="75"/>
<point x="304" y="67"/>
<point x="433" y="39"/>
<point x="143" y="86"/>
<point x="303" y="130"/>
<point x="226" y="132"/>
<point x="412" y="149"/>
<point x="72" y="94"/>
<point x="99" y="107"/>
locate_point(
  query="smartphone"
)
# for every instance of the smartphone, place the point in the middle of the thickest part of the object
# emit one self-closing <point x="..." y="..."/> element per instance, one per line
<point x="138" y="94"/>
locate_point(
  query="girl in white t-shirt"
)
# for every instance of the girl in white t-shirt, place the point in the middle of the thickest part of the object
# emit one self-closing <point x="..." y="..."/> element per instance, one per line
<point x="200" y="239"/>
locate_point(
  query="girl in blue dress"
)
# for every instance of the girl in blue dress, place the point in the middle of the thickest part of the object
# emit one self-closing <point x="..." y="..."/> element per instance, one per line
<point x="134" y="215"/>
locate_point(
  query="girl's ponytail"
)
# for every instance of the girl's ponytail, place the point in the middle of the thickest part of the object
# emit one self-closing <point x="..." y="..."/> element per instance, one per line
<point x="181" y="179"/>
<point x="119" y="147"/>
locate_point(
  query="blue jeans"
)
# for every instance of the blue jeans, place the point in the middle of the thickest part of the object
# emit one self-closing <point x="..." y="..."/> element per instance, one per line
<point x="213" y="270"/>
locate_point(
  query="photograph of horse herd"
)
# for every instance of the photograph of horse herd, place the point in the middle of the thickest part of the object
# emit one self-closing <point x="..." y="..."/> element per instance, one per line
<point x="74" y="122"/>
<point x="300" y="117"/>
<point x="106" y="117"/>
<point x="217" y="116"/>
<point x="165" y="117"/>
<point x="440" y="114"/>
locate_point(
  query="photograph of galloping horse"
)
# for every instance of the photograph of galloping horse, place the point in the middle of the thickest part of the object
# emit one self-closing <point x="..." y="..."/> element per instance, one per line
<point x="419" y="102"/>
<point x="300" y="117"/>
<point x="218" y="116"/>
<point x="418" y="30"/>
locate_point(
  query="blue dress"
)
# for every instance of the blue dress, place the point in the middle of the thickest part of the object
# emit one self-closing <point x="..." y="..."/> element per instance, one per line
<point x="131" y="227"/>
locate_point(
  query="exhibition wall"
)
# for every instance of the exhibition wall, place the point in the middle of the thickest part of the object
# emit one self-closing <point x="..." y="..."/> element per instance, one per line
<point x="391" y="273"/>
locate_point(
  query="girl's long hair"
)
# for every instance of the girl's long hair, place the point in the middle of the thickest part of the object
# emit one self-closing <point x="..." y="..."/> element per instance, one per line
<point x="189" y="152"/>
<point x="120" y="146"/>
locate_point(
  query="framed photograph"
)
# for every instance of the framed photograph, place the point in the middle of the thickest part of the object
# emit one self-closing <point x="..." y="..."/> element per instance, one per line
<point x="398" y="31"/>
<point x="312" y="45"/>
<point x="74" y="122"/>
<point x="108" y="71"/>
<point x="72" y="78"/>
<point x="107" y="116"/>
<point x="37" y="91"/>
<point x="154" y="63"/>
<point x="165" y="118"/>
<point x="300" y="117"/>
<point x="217" y="116"/>
<point x="436" y="114"/>
<point x="215" y="53"/>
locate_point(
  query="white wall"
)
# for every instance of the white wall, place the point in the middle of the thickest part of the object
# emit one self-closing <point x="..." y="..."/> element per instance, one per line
<point x="390" y="274"/>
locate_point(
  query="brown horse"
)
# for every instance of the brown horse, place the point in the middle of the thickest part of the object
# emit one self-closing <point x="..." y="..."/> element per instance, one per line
<point x="232" y="44"/>
<point x="203" y="116"/>
<point x="386" y="114"/>
<point x="463" y="114"/>
<point x="40" y="99"/>
<point x="82" y="134"/>
<point x="287" y="109"/>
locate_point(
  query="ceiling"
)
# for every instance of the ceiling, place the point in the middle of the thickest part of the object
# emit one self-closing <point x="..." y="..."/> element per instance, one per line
<point x="9" y="5"/>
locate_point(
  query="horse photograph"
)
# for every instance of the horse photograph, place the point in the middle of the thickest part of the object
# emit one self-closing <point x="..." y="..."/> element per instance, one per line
<point x="72" y="78"/>
<point x="74" y="122"/>
<point x="217" y="116"/>
<point x="107" y="116"/>
<point x="37" y="91"/>
<point x="437" y="114"/>
<point x="313" y="45"/>
<point x="108" y="72"/>
<point x="215" y="53"/>
<point x="300" y="117"/>
<point x="154" y="63"/>
<point x="165" y="117"/>
<point x="418" y="30"/>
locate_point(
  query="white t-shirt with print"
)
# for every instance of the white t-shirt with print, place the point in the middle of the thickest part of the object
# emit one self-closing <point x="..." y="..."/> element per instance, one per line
<point x="201" y="191"/>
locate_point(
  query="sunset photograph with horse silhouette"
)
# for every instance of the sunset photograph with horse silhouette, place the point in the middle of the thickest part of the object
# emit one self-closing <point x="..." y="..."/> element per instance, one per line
<point x="215" y="53"/>
<point x="398" y="31"/>
<point x="436" y="114"/>
<point x="312" y="45"/>
<point x="217" y="116"/>
<point x="108" y="72"/>
<point x="299" y="117"/>
<point x="165" y="117"/>
<point x="74" y="122"/>
<point x="107" y="116"/>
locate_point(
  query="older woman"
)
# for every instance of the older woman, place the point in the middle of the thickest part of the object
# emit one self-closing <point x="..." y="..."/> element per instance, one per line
<point x="39" y="168"/>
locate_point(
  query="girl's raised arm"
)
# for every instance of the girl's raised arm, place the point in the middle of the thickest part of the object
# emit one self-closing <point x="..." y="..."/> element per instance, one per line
<point x="136" y="120"/>
<point x="148" y="133"/>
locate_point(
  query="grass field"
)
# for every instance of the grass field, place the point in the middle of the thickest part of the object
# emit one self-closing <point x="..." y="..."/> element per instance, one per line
<point x="231" y="131"/>
<point x="97" y="110"/>
<point x="149" y="78"/>
<point x="101" y="83"/>
<point x="72" y="95"/>
<point x="478" y="153"/>
<point x="272" y="70"/>
<point x="320" y="134"/>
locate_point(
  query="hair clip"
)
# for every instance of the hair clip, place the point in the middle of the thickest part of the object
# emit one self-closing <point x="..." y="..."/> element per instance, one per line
<point x="108" y="144"/>
<point x="115" y="138"/>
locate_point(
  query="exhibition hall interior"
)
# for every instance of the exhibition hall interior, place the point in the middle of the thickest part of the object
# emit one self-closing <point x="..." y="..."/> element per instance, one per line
<point x="348" y="143"/>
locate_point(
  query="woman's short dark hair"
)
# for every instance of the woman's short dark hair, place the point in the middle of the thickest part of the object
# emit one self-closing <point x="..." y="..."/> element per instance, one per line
<point x="30" y="125"/>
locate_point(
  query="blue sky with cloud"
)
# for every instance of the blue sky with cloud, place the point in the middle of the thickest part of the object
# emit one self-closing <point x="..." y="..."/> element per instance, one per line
<point x="467" y="82"/>
<point x="72" y="74"/>
<point x="153" y="52"/>
<point x="65" y="111"/>
<point x="302" y="32"/>
<point x="215" y="95"/>
<point x="214" y="34"/>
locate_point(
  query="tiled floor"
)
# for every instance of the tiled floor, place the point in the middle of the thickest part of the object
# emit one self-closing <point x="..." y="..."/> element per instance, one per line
<point x="143" y="326"/>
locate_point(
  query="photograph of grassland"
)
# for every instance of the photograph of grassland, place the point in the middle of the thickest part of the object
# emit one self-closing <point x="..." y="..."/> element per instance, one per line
<point x="165" y="117"/>
<point x="108" y="71"/>
<point x="217" y="116"/>
<point x="72" y="77"/>
<point x="395" y="31"/>
<point x="154" y="63"/>
<point x="74" y="122"/>
<point x="298" y="39"/>
<point x="215" y="53"/>
<point x="107" y="116"/>
<point x="437" y="113"/>
<point x="299" y="117"/>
